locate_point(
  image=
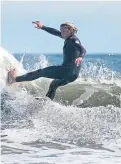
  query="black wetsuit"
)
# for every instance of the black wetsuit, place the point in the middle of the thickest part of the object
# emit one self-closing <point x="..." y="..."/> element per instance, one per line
<point x="63" y="74"/>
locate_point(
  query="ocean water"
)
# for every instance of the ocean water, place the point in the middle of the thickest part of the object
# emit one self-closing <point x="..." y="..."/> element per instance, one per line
<point x="81" y="126"/>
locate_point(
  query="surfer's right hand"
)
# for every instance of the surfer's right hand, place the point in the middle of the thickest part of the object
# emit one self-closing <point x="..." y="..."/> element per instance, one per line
<point x="38" y="24"/>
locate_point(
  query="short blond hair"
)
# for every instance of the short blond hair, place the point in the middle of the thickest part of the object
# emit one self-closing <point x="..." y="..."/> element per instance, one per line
<point x="70" y="24"/>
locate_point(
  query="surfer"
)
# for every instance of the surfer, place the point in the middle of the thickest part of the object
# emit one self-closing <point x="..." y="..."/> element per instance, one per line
<point x="73" y="53"/>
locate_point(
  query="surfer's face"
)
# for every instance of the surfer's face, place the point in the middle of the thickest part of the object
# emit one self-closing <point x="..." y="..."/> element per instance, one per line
<point x="66" y="31"/>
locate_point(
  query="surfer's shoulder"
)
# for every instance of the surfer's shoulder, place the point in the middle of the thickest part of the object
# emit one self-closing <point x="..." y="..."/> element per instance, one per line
<point x="75" y="39"/>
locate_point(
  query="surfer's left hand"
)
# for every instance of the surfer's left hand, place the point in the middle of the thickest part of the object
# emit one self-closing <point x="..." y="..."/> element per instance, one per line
<point x="37" y="24"/>
<point x="78" y="61"/>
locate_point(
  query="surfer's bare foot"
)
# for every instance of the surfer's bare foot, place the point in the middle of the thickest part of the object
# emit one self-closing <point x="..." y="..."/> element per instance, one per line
<point x="11" y="77"/>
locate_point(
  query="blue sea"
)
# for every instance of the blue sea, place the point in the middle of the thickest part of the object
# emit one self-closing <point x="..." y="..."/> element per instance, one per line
<point x="111" y="61"/>
<point x="82" y="125"/>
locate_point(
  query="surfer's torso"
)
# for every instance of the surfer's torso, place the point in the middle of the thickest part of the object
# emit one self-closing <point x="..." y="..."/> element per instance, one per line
<point x="72" y="48"/>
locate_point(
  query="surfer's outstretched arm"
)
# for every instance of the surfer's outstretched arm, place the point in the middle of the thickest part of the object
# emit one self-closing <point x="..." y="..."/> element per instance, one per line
<point x="47" y="29"/>
<point x="51" y="31"/>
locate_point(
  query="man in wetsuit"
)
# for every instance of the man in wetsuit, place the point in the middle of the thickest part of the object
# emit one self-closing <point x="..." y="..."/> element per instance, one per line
<point x="73" y="53"/>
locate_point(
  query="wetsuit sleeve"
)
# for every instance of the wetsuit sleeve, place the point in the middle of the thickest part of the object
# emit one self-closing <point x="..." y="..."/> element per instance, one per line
<point x="52" y="31"/>
<point x="78" y="45"/>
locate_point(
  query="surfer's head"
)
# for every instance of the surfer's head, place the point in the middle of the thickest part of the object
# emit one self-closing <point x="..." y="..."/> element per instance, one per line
<point x="67" y="29"/>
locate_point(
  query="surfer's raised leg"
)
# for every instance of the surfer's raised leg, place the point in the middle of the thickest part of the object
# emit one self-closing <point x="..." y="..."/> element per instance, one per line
<point x="53" y="72"/>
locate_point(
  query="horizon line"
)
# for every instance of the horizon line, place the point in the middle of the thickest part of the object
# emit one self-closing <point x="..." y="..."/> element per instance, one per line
<point x="59" y="53"/>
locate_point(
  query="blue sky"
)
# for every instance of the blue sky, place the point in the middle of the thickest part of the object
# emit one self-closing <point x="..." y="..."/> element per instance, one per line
<point x="98" y="23"/>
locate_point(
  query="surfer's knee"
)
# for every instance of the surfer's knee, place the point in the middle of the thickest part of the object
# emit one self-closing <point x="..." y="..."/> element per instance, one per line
<point x="72" y="78"/>
<point x="53" y="84"/>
